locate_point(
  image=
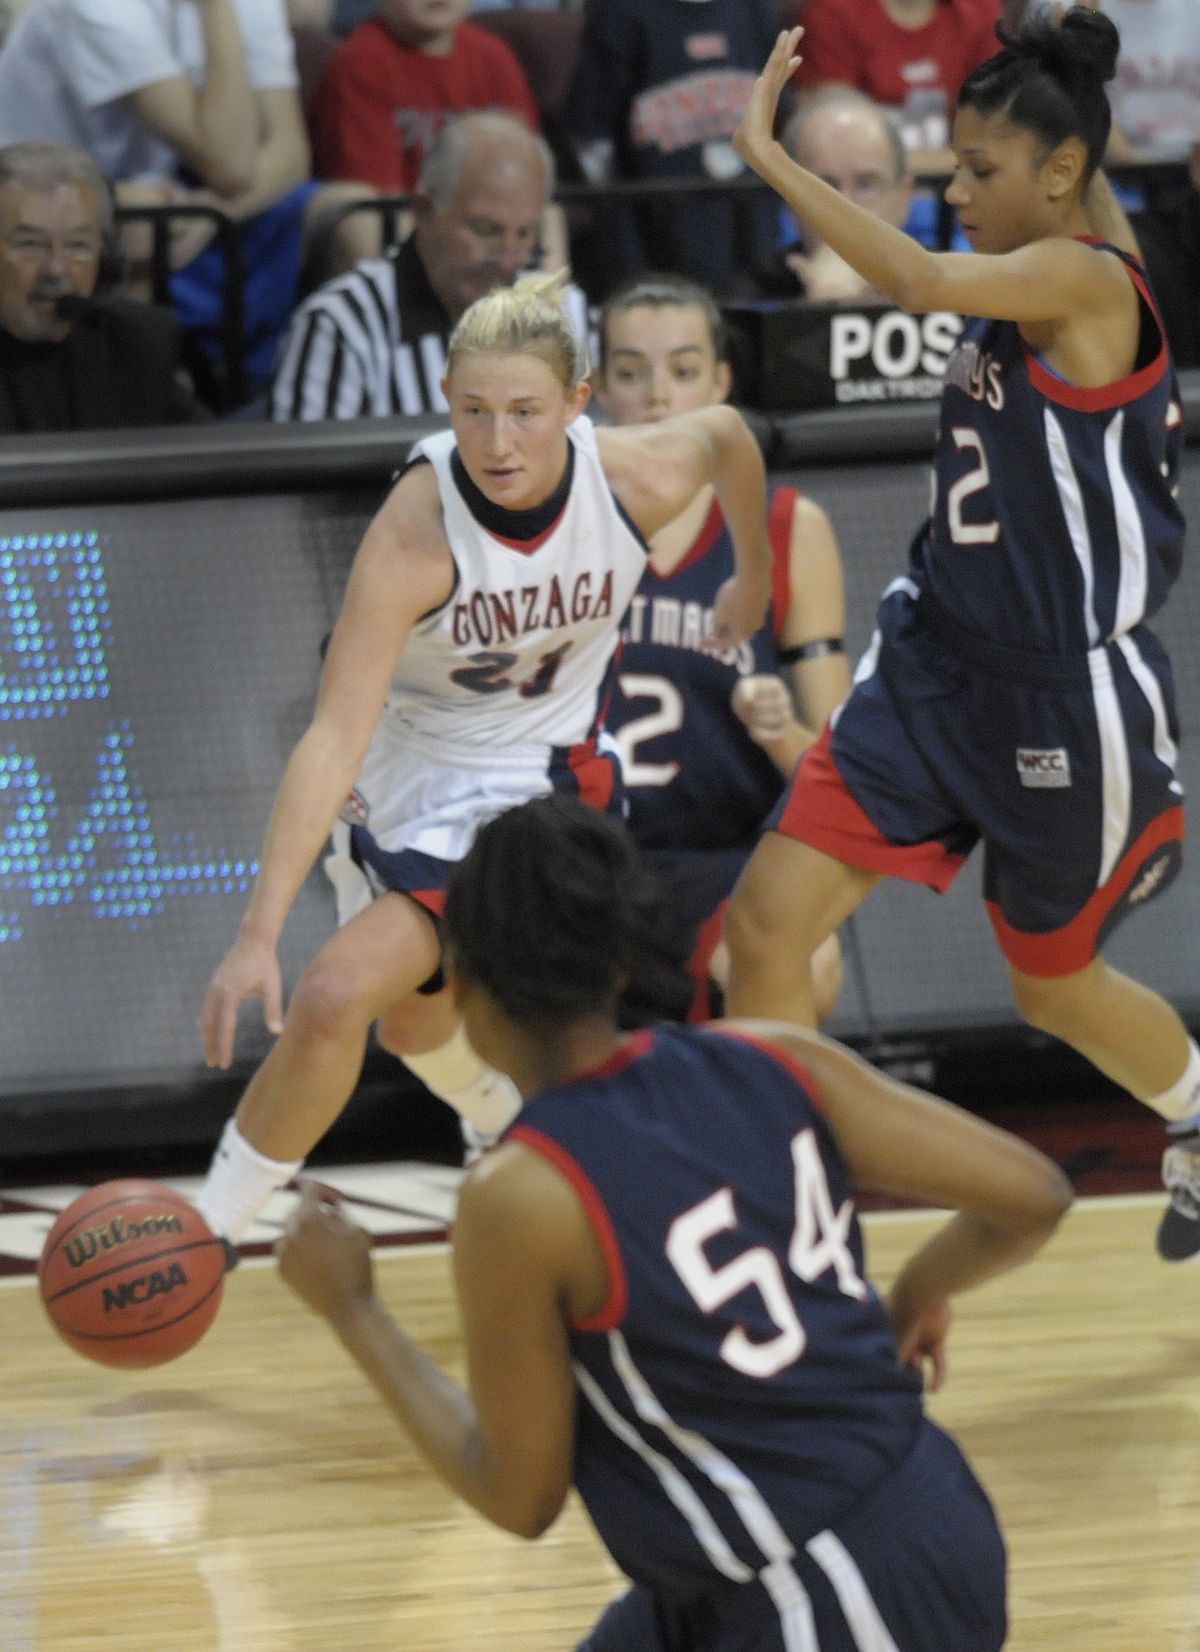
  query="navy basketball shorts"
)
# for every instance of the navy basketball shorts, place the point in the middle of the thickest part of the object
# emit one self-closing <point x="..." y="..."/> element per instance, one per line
<point x="918" y="1567"/>
<point x="1063" y="766"/>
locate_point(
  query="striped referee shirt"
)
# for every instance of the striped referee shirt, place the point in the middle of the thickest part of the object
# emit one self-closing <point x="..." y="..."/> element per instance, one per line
<point x="372" y="342"/>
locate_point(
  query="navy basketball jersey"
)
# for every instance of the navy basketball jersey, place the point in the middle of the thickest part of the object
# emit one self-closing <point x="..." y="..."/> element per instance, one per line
<point x="1055" y="523"/>
<point x="739" y="1389"/>
<point x="694" y="777"/>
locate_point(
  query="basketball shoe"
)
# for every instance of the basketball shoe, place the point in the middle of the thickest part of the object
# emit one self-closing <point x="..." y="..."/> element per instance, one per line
<point x="1179" y="1230"/>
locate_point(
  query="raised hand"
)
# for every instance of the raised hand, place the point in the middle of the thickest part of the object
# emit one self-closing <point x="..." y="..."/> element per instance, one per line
<point x="756" y="129"/>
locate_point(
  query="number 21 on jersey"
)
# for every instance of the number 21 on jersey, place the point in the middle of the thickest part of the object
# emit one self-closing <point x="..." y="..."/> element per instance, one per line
<point x="818" y="1244"/>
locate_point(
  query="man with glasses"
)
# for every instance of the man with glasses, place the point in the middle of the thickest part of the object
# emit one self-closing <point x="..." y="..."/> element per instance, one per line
<point x="70" y="360"/>
<point x="855" y="145"/>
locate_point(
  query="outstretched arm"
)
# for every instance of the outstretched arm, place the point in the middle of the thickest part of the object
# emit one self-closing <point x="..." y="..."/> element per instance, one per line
<point x="1108" y="216"/>
<point x="401" y="570"/>
<point x="657" y="470"/>
<point x="1048" y="280"/>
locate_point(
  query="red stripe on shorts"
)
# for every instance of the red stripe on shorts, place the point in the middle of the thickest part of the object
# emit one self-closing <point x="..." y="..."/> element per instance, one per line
<point x="1071" y="948"/>
<point x="433" y="900"/>
<point x="820" y="810"/>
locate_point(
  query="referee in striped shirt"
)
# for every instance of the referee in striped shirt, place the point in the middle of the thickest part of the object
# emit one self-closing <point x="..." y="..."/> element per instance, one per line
<point x="373" y="341"/>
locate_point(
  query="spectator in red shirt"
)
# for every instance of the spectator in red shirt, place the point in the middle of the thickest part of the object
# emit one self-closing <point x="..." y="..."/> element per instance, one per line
<point x="392" y="85"/>
<point x="910" y="55"/>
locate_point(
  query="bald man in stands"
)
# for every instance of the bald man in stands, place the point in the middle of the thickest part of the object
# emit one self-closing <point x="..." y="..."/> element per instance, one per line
<point x="373" y="341"/>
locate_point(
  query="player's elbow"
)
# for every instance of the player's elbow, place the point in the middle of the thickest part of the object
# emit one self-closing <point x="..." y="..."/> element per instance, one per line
<point x="227" y="178"/>
<point x="1047" y="1200"/>
<point x="531" y="1517"/>
<point x="1057" y="1198"/>
<point x="731" y="441"/>
<point x="918" y="285"/>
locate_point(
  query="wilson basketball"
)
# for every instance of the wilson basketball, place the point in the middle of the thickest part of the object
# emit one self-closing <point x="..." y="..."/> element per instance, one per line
<point x="131" y="1274"/>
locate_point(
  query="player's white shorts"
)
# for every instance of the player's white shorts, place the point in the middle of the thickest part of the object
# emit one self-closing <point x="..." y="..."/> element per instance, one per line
<point x="416" y="806"/>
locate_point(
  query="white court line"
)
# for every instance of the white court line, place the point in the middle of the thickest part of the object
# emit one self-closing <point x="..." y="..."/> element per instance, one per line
<point x="873" y="1218"/>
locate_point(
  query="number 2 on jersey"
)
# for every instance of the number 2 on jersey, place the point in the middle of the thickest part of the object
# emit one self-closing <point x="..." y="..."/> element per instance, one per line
<point x="975" y="481"/>
<point x="818" y="1244"/>
<point x="666" y="718"/>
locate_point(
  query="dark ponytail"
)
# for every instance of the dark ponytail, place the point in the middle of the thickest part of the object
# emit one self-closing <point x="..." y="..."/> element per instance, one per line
<point x="552" y="914"/>
<point x="1049" y="79"/>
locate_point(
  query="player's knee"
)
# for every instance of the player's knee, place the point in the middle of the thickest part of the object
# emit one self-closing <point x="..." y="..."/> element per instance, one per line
<point x="1046" y="1003"/>
<point x="828" y="976"/>
<point x="417" y="1025"/>
<point x="328" y="1002"/>
<point x="753" y="922"/>
<point x="744" y="933"/>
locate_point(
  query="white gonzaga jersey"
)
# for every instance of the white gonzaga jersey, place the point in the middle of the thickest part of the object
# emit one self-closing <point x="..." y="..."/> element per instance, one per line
<point x="521" y="654"/>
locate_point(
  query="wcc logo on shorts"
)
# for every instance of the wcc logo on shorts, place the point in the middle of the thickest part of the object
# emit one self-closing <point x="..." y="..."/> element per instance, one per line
<point x="1043" y="768"/>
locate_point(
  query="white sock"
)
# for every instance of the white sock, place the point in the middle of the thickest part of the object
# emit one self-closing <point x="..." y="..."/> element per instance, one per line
<point x="478" y="1092"/>
<point x="240" y="1180"/>
<point x="1181" y="1103"/>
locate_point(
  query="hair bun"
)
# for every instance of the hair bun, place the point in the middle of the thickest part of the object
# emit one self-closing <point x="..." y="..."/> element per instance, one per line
<point x="1085" y="40"/>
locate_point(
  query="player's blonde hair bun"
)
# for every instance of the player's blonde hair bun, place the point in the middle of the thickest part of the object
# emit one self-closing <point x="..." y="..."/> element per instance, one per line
<point x="528" y="318"/>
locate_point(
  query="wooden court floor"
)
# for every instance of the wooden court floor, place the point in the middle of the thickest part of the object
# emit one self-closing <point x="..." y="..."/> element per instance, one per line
<point x="254" y="1497"/>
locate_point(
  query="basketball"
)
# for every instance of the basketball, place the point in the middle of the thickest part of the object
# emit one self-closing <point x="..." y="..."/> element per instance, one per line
<point x="131" y="1274"/>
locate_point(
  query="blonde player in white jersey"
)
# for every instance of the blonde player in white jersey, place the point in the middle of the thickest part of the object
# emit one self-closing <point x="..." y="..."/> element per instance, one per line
<point x="478" y="632"/>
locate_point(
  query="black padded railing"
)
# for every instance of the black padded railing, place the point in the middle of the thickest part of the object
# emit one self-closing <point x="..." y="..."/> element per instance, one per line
<point x="225" y="384"/>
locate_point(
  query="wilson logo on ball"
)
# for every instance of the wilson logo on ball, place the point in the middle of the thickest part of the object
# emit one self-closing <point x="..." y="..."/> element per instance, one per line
<point x="133" y="1292"/>
<point x="83" y="1246"/>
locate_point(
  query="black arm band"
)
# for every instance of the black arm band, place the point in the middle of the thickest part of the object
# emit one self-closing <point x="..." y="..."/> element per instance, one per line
<point x="811" y="650"/>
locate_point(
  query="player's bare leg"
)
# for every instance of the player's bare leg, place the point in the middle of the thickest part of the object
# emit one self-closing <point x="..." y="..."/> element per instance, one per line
<point x="828" y="974"/>
<point x="425" y="1031"/>
<point x="379" y="957"/>
<point x="1129" y="1032"/>
<point x="1135" y="1038"/>
<point x="361" y="971"/>
<point x="789" y="899"/>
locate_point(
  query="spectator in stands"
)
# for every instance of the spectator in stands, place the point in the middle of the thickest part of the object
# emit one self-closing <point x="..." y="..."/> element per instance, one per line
<point x="348" y="14"/>
<point x="70" y="360"/>
<point x="390" y="88"/>
<point x="527" y="5"/>
<point x="192" y="103"/>
<point x="855" y="145"/>
<point x="1155" y="98"/>
<point x="1156" y="95"/>
<point x="657" y="91"/>
<point x="1155" y="102"/>
<point x="373" y="340"/>
<point x="910" y="55"/>
<point x="310" y="14"/>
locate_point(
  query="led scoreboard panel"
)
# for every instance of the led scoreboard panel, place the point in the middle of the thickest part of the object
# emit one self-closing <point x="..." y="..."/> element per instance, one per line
<point x="157" y="662"/>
